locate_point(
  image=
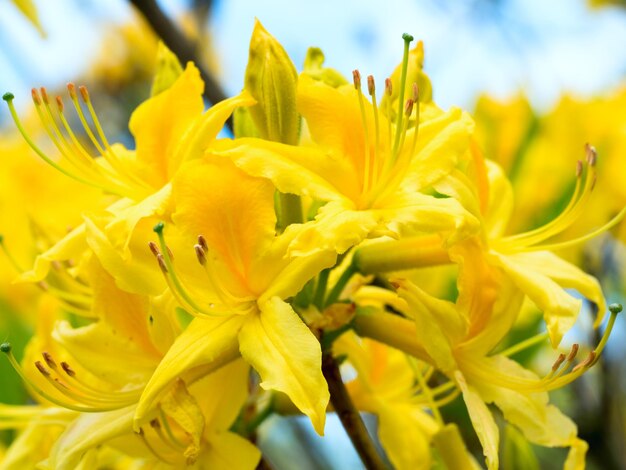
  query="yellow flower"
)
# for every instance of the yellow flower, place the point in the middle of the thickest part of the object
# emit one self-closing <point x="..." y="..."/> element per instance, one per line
<point x="169" y="129"/>
<point x="239" y="299"/>
<point x="373" y="173"/>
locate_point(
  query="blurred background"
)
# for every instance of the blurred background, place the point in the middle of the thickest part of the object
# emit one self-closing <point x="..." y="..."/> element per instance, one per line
<point x="541" y="78"/>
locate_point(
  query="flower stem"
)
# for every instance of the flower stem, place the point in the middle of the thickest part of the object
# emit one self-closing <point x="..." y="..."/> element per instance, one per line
<point x="349" y="415"/>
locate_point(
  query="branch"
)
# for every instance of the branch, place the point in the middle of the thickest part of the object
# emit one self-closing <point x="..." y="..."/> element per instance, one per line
<point x="349" y="415"/>
<point x="179" y="45"/>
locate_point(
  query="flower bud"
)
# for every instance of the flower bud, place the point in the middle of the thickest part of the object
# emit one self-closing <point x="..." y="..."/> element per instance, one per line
<point x="271" y="79"/>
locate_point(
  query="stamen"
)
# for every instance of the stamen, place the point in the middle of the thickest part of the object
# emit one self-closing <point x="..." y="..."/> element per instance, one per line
<point x="175" y="445"/>
<point x="356" y="76"/>
<point x="153" y="248"/>
<point x="152" y="450"/>
<point x="560" y="360"/>
<point x="202" y="242"/>
<point x="371" y="88"/>
<point x="200" y="254"/>
<point x="8" y="97"/>
<point x="405" y="63"/>
<point x="167" y="267"/>
<point x="388" y="91"/>
<point x="416" y="100"/>
<point x="48" y="358"/>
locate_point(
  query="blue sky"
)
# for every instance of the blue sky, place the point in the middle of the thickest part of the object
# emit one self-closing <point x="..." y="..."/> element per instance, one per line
<point x="544" y="48"/>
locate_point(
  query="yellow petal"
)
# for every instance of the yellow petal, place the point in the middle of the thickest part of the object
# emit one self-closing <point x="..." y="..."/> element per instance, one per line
<point x="233" y="211"/>
<point x="89" y="344"/>
<point x="405" y="432"/>
<point x="567" y="276"/>
<point x="576" y="456"/>
<point x="228" y="451"/>
<point x="438" y="323"/>
<point x="183" y="408"/>
<point x="289" y="274"/>
<point x="560" y="309"/>
<point x="223" y="392"/>
<point x="441" y="142"/>
<point x="304" y="171"/>
<point x="138" y="274"/>
<point x="335" y="228"/>
<point x="205" y="346"/>
<point x="89" y="431"/>
<point x="159" y="123"/>
<point x="482" y="420"/>
<point x="334" y="119"/>
<point x="541" y="423"/>
<point x="72" y="246"/>
<point x="287" y="357"/>
<point x="206" y="128"/>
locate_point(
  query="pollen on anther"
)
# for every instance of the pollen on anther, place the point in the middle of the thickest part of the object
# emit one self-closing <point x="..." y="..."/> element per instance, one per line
<point x="371" y="85"/>
<point x="202" y="242"/>
<point x="162" y="264"/>
<point x="408" y="107"/>
<point x="356" y="78"/>
<point x="67" y="369"/>
<point x="154" y="248"/>
<point x="44" y="95"/>
<point x="587" y="362"/>
<point x="573" y="352"/>
<point x="71" y="88"/>
<point x="40" y="367"/>
<point x="591" y="153"/>
<point x="200" y="254"/>
<point x="84" y="93"/>
<point x="388" y="86"/>
<point x="35" y="95"/>
<point x="579" y="168"/>
<point x="60" y="104"/>
<point x="49" y="360"/>
<point x="416" y="93"/>
<point x="560" y="360"/>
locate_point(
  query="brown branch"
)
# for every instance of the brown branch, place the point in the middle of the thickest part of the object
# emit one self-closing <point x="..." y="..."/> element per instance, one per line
<point x="349" y="415"/>
<point x="179" y="45"/>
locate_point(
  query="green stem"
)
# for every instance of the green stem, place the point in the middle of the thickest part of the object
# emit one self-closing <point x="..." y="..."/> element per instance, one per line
<point x="320" y="289"/>
<point x="340" y="285"/>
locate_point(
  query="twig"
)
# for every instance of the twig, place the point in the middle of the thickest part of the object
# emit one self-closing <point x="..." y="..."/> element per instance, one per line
<point x="349" y="415"/>
<point x="179" y="45"/>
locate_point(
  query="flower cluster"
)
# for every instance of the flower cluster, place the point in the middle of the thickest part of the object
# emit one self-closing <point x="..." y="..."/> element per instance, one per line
<point x="207" y="283"/>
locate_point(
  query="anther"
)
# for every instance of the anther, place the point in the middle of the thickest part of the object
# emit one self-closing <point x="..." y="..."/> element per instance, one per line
<point x="579" y="168"/>
<point x="371" y="86"/>
<point x="155" y="423"/>
<point x="60" y="104"/>
<point x="154" y="248"/>
<point x="169" y="252"/>
<point x="42" y="285"/>
<point x="591" y="153"/>
<point x="560" y="360"/>
<point x="202" y="242"/>
<point x="416" y="93"/>
<point x="200" y="254"/>
<point x="35" y="95"/>
<point x="40" y="367"/>
<point x="8" y="96"/>
<point x="6" y="348"/>
<point x="356" y="78"/>
<point x="44" y="95"/>
<point x="573" y="352"/>
<point x="71" y="88"/>
<point x="593" y="181"/>
<point x="162" y="264"/>
<point x="408" y="107"/>
<point x="48" y="358"/>
<point x="67" y="369"/>
<point x="615" y="308"/>
<point x="84" y="93"/>
<point x="388" y="86"/>
<point x="587" y="362"/>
